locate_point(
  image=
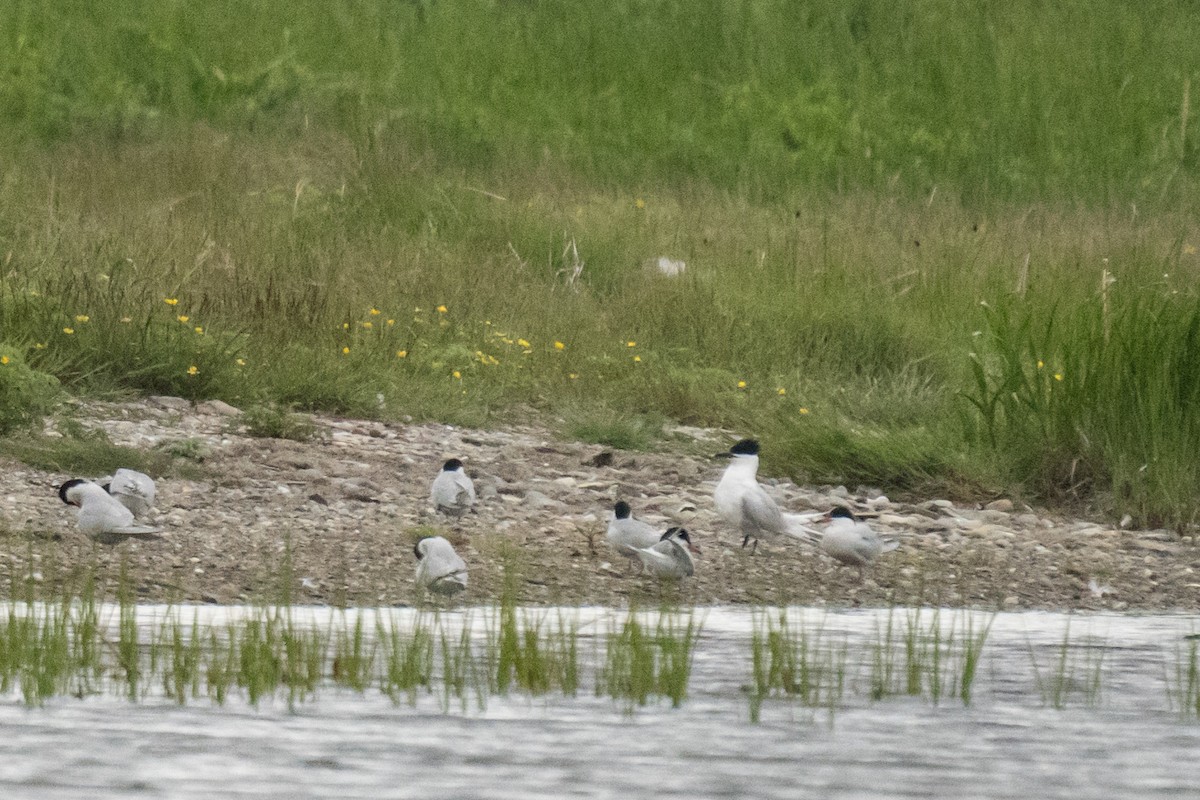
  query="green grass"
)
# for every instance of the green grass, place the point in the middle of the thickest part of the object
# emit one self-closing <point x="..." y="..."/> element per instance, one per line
<point x="270" y="206"/>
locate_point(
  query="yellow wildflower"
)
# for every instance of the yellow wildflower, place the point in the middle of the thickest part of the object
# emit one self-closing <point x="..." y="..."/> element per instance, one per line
<point x="803" y="410"/>
<point x="375" y="312"/>
<point x="781" y="391"/>
<point x="82" y="317"/>
<point x="183" y="318"/>
<point x="741" y="384"/>
<point x="199" y="329"/>
<point x="457" y="375"/>
<point x="345" y="351"/>
<point x="640" y="203"/>
<point x="3" y="360"/>
<point x="367" y="325"/>
<point x="441" y="309"/>
<point x="523" y="343"/>
<point x="241" y="362"/>
<point x="391" y="322"/>
<point x="193" y="370"/>
<point x="559" y="346"/>
<point x="401" y="354"/>
<point x="631" y="343"/>
<point x="1058" y="376"/>
<point x="1041" y="363"/>
<point x="171" y="301"/>
<point x="637" y="359"/>
<point x="345" y="326"/>
<point x="573" y="375"/>
<point x="68" y="331"/>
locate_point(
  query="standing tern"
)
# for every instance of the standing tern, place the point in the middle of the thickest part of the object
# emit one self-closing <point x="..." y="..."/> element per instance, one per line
<point x="452" y="492"/>
<point x="744" y="503"/>
<point x="671" y="557"/>
<point x="439" y="568"/>
<point x="628" y="535"/>
<point x="100" y="514"/>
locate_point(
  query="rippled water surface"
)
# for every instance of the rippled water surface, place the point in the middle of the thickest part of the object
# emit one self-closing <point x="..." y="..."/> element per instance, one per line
<point x="1009" y="743"/>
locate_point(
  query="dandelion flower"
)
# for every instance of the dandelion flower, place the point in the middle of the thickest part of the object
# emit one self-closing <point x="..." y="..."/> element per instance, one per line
<point x="4" y="361"/>
<point x="68" y="331"/>
<point x="640" y="203"/>
<point x="741" y="384"/>
<point x="193" y="370"/>
<point x="183" y="318"/>
<point x="637" y="359"/>
<point x="391" y="322"/>
<point x="171" y="301"/>
<point x="241" y="362"/>
<point x="1058" y="376"/>
<point x="367" y="325"/>
<point x="1041" y="363"/>
<point x="457" y="375"/>
<point x="199" y="329"/>
<point x="803" y="410"/>
<point x="82" y="317"/>
<point x="375" y="312"/>
<point x="781" y="391"/>
<point x="559" y="346"/>
<point x="345" y="351"/>
<point x="345" y="326"/>
<point x="631" y="343"/>
<point x="441" y="309"/>
<point x="401" y="354"/>
<point x="523" y="343"/>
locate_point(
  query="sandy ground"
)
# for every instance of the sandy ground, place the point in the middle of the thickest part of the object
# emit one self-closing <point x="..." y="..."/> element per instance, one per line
<point x="332" y="520"/>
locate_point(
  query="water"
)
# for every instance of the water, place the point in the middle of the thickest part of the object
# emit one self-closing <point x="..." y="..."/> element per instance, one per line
<point x="1008" y="744"/>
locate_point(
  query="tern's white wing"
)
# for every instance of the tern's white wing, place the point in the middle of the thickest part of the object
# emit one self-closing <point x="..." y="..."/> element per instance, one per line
<point x="441" y="569"/>
<point x="629" y="535"/>
<point x="133" y="489"/>
<point x="667" y="559"/>
<point x="760" y="511"/>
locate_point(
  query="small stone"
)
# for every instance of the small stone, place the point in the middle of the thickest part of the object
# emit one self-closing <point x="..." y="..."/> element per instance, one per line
<point x="1003" y="504"/>
<point x="218" y="407"/>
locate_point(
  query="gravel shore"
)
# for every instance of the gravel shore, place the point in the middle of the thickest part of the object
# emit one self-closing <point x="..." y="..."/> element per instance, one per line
<point x="332" y="520"/>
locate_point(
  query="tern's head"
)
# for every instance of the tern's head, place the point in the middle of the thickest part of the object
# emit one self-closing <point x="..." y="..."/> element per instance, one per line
<point x="68" y="493"/>
<point x="841" y="512"/>
<point x="418" y="550"/>
<point x="746" y="447"/>
<point x="621" y="510"/>
<point x="452" y="465"/>
<point x="681" y="535"/>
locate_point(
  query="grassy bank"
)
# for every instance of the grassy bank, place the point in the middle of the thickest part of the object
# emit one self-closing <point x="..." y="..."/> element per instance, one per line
<point x="953" y="252"/>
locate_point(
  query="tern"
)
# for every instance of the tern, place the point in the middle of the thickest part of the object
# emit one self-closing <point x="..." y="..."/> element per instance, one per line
<point x="852" y="541"/>
<point x="132" y="489"/>
<point x="628" y="535"/>
<point x="452" y="492"/>
<point x="100" y="514"/>
<point x="744" y="503"/>
<point x="439" y="568"/>
<point x="671" y="557"/>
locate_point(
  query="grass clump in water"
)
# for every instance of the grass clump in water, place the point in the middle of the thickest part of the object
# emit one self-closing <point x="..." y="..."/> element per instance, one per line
<point x="644" y="661"/>
<point x="794" y="660"/>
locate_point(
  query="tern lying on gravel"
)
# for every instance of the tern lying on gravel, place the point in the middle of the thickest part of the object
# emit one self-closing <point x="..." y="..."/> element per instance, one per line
<point x="453" y="492"/>
<point x="671" y="557"/>
<point x="439" y="568"/>
<point x="132" y="489"/>
<point x="628" y="535"/>
<point x="744" y="503"/>
<point x="100" y="515"/>
<point x="852" y="541"/>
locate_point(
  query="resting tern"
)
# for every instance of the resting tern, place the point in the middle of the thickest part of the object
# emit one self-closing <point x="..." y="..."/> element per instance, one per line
<point x="671" y="557"/>
<point x="439" y="568"/>
<point x="452" y="492"/>
<point x="852" y="541"/>
<point x="100" y="515"/>
<point x="132" y="489"/>
<point x="628" y="535"/>
<point x="742" y="502"/>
